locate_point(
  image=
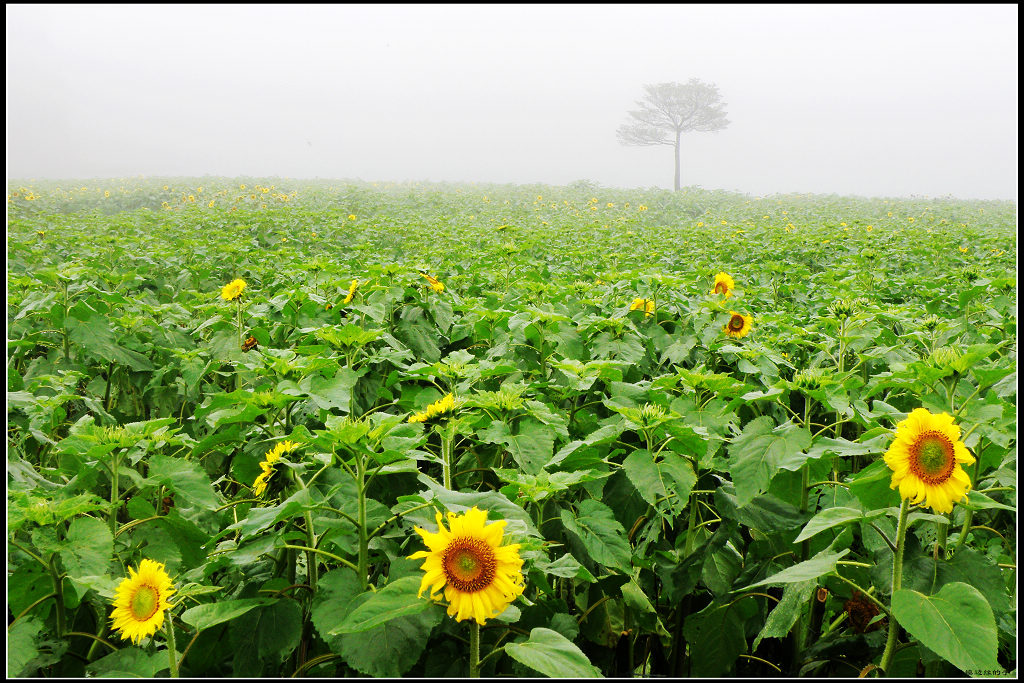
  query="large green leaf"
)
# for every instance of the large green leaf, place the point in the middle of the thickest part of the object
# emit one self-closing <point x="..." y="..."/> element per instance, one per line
<point x="832" y="517"/>
<point x="396" y="599"/>
<point x="87" y="549"/>
<point x="755" y="456"/>
<point x="795" y="597"/>
<point x="211" y="614"/>
<point x="129" y="662"/>
<point x="553" y="655"/>
<point x="819" y="565"/>
<point x="956" y="623"/>
<point x="21" y="644"/>
<point x="601" y="534"/>
<point x="532" y="444"/>
<point x="186" y="478"/>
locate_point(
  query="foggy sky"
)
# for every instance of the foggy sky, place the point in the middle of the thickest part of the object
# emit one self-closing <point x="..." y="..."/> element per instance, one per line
<point x="875" y="100"/>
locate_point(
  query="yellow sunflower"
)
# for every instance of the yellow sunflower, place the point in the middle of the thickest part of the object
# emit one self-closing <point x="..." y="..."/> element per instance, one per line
<point x="141" y="601"/>
<point x="738" y="325"/>
<point x="435" y="284"/>
<point x="925" y="459"/>
<point x="723" y="285"/>
<point x="273" y="455"/>
<point x="480" y="577"/>
<point x="645" y="305"/>
<point x="351" y="291"/>
<point x="232" y="290"/>
<point x="441" y="406"/>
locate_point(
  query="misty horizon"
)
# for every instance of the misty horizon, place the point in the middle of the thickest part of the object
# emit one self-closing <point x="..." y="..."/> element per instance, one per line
<point x="879" y="101"/>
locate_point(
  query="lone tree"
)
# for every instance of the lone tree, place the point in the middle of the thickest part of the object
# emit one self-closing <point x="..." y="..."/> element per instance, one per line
<point x="670" y="109"/>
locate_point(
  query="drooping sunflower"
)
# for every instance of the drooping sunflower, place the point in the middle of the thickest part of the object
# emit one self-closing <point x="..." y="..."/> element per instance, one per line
<point x="232" y="290"/>
<point x="925" y="460"/>
<point x="645" y="305"/>
<point x="480" y="577"/>
<point x="141" y="600"/>
<point x="273" y="455"/>
<point x="435" y="284"/>
<point x="738" y="325"/>
<point x="351" y="291"/>
<point x="442" y="406"/>
<point x="723" y="285"/>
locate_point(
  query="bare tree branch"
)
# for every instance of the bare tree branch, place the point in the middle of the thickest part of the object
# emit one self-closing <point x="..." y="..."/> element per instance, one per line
<point x="671" y="109"/>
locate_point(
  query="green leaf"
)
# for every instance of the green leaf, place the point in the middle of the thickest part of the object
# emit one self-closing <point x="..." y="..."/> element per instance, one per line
<point x="871" y="487"/>
<point x="532" y="445"/>
<point x="717" y="634"/>
<point x="186" y="478"/>
<point x="956" y="623"/>
<point x="831" y="517"/>
<point x="88" y="548"/>
<point x="205" y="616"/>
<point x="756" y="455"/>
<point x="553" y="655"/>
<point x="720" y="569"/>
<point x="269" y="633"/>
<point x="819" y="565"/>
<point x="388" y="650"/>
<point x="396" y="599"/>
<point x="129" y="662"/>
<point x="781" y="619"/>
<point x="21" y="645"/>
<point x="602" y="535"/>
<point x="334" y="392"/>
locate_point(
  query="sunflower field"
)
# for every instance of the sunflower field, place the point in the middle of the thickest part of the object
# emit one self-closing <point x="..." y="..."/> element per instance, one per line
<point x="260" y="427"/>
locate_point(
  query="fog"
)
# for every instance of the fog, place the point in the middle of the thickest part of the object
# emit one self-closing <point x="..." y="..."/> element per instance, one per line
<point x="873" y="100"/>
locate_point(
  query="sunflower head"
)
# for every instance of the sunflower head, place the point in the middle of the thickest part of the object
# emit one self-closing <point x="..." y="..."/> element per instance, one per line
<point x="723" y="285"/>
<point x="478" y="575"/>
<point x="435" y="284"/>
<point x="645" y="305"/>
<point x="351" y="291"/>
<point x="738" y="325"/>
<point x="232" y="290"/>
<point x="259" y="487"/>
<point x="926" y="458"/>
<point x="443" y="406"/>
<point x="140" y="601"/>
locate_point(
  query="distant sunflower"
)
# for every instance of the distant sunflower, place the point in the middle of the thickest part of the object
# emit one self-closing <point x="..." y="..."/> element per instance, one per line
<point x="738" y="325"/>
<point x="480" y="577"/>
<point x="441" y="406"/>
<point x="723" y="285"/>
<point x="925" y="459"/>
<point x="645" y="305"/>
<point x="273" y="455"/>
<point x="351" y="291"/>
<point x="141" y="600"/>
<point x="435" y="284"/>
<point x="232" y="290"/>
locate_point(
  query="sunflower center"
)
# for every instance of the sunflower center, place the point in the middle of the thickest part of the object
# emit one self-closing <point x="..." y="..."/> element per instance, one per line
<point x="721" y="288"/>
<point x="932" y="458"/>
<point x="469" y="564"/>
<point x="144" y="602"/>
<point x="736" y="323"/>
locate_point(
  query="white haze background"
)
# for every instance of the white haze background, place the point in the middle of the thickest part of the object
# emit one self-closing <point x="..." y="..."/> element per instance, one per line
<point x="875" y="100"/>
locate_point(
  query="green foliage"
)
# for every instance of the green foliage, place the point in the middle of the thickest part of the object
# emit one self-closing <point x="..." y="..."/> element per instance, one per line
<point x="685" y="502"/>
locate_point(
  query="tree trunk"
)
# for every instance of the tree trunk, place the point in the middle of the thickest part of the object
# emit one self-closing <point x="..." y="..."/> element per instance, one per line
<point x="676" y="183"/>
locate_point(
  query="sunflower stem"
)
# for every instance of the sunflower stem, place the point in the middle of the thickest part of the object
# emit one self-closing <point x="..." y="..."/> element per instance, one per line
<point x="897" y="580"/>
<point x="238" y="370"/>
<point x="969" y="513"/>
<point x="474" y="649"/>
<point x="364" y="541"/>
<point x="447" y="447"/>
<point x="172" y="653"/>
